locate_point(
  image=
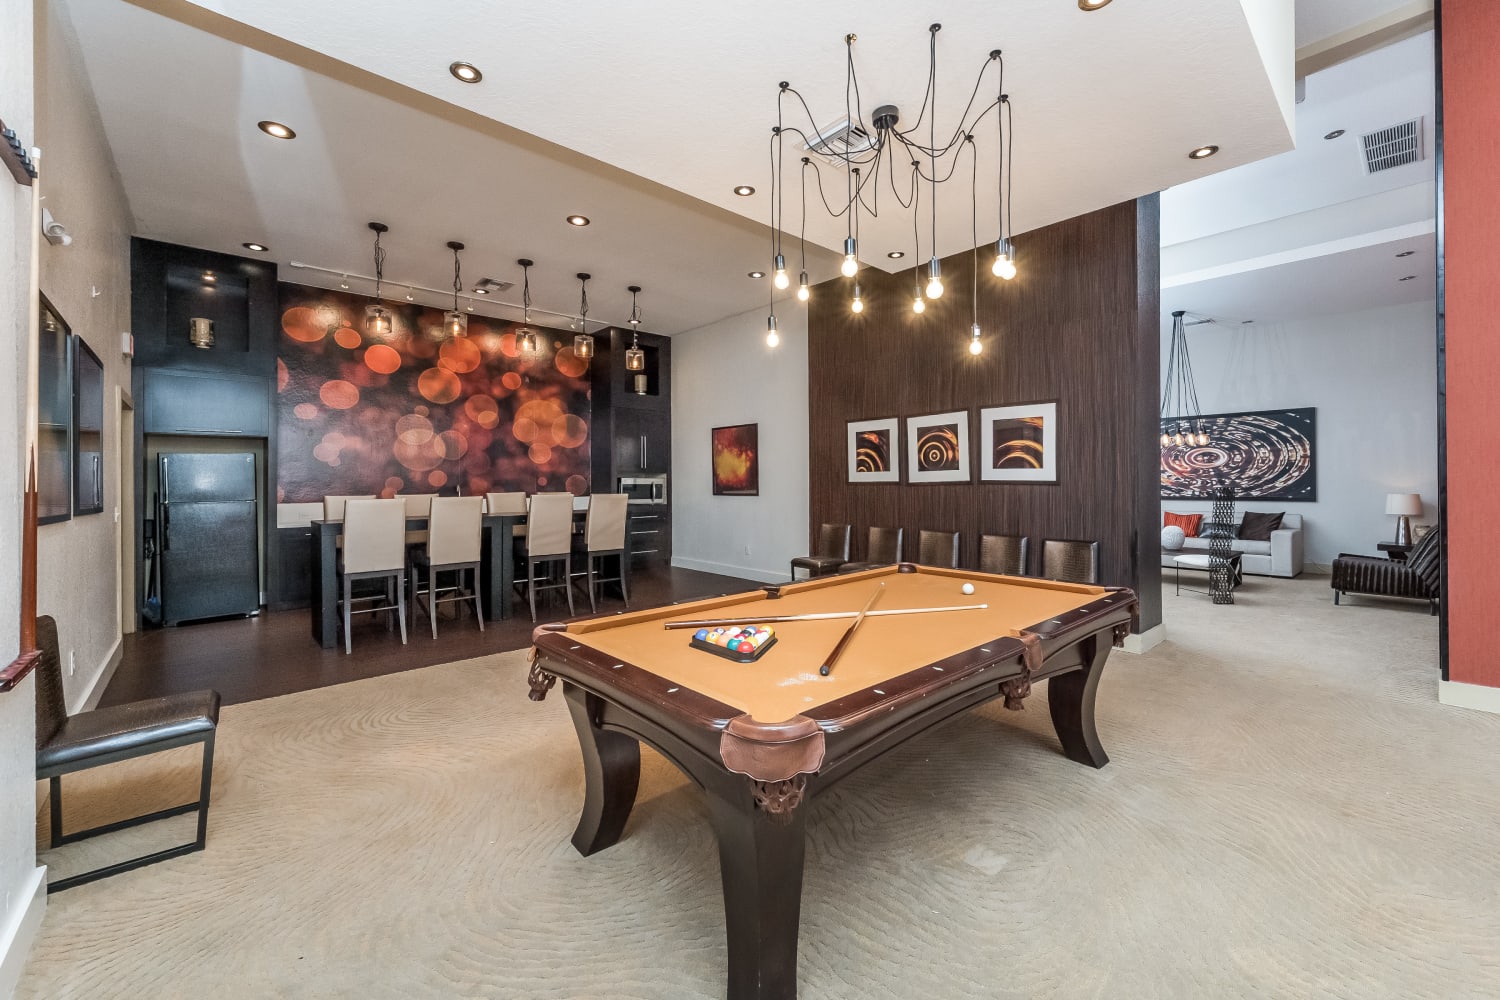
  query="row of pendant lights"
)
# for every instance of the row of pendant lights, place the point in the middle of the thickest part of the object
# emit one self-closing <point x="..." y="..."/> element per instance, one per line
<point x="379" y="321"/>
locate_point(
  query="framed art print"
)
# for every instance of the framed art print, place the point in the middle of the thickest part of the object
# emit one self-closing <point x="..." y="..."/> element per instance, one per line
<point x="736" y="460"/>
<point x="873" y="451"/>
<point x="1018" y="444"/>
<point x="937" y="448"/>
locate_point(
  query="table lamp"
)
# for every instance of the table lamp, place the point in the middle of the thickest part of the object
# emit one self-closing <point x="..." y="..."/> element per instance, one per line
<point x="1404" y="506"/>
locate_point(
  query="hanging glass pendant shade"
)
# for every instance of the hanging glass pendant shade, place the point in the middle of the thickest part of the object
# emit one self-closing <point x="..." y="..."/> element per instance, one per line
<point x="583" y="344"/>
<point x="526" y="336"/>
<point x="378" y="320"/>
<point x="455" y="321"/>
<point x="635" y="358"/>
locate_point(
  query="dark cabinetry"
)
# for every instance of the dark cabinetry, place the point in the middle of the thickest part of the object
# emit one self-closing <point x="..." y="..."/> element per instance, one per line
<point x="633" y="433"/>
<point x="202" y="403"/>
<point x="292" y="586"/>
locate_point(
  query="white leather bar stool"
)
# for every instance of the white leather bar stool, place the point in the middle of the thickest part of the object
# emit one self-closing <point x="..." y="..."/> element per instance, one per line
<point x="455" y="528"/>
<point x="604" y="536"/>
<point x="549" y="524"/>
<point x="374" y="548"/>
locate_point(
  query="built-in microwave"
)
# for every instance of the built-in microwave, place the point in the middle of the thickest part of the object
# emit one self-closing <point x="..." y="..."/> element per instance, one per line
<point x="644" y="489"/>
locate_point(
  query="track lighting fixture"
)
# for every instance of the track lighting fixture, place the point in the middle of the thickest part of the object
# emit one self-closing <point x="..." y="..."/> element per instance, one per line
<point x="526" y="337"/>
<point x="378" y="321"/>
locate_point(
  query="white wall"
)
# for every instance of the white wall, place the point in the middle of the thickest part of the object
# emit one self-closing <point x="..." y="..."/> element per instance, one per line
<point x="1373" y="378"/>
<point x="89" y="284"/>
<point x="20" y="907"/>
<point x="724" y="374"/>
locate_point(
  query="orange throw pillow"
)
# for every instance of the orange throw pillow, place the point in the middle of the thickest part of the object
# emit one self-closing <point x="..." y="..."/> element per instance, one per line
<point x="1189" y="523"/>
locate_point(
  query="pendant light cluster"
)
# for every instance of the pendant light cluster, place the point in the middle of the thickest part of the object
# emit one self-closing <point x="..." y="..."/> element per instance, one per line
<point x="860" y="148"/>
<point x="1179" y="399"/>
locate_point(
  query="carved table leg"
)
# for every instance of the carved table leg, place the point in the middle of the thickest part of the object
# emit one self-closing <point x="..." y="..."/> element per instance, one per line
<point x="761" y="864"/>
<point x="611" y="773"/>
<point x="1071" y="700"/>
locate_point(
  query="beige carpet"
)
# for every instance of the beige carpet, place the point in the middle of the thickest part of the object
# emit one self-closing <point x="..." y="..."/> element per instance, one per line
<point x="1288" y="813"/>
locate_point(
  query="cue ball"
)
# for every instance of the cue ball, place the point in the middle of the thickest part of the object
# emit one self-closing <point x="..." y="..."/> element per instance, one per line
<point x="968" y="588"/>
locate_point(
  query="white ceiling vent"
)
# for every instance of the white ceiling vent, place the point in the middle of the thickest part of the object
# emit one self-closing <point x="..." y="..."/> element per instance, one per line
<point x="1393" y="146"/>
<point x="493" y="285"/>
<point x="839" y="140"/>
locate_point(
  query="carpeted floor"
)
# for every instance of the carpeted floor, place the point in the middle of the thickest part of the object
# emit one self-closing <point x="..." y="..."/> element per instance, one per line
<point x="1288" y="813"/>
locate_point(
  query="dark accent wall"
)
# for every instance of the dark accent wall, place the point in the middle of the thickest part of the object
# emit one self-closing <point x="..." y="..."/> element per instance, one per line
<point x="1079" y="325"/>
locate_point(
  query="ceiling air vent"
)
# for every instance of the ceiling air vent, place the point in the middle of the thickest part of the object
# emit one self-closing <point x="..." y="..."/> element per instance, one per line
<point x="1394" y="146"/>
<point x="493" y="285"/>
<point x="838" y="141"/>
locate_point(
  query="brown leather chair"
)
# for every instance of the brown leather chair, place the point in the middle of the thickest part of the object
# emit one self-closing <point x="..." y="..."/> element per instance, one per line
<point x="938" y="548"/>
<point x="66" y="744"/>
<point x="1070" y="561"/>
<point x="831" y="553"/>
<point x="1003" y="554"/>
<point x="882" y="549"/>
<point x="1419" y="578"/>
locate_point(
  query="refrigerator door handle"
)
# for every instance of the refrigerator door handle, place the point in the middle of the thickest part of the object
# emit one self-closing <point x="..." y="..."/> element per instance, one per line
<point x="166" y="527"/>
<point x="166" y="484"/>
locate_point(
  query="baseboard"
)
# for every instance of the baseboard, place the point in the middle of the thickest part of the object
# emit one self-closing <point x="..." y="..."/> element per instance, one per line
<point x="725" y="569"/>
<point x="1476" y="696"/>
<point x="1141" y="642"/>
<point x="28" y="905"/>
<point x="102" y="678"/>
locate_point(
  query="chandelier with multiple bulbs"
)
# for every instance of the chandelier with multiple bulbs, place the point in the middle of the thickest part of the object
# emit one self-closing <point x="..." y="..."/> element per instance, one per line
<point x="860" y="148"/>
<point x="1181" y="417"/>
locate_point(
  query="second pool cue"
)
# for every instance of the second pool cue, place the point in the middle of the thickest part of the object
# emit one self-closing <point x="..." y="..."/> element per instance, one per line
<point x="814" y="617"/>
<point x="838" y="650"/>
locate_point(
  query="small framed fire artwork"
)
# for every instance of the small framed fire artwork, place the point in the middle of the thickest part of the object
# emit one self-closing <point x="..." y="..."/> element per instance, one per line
<point x="873" y="457"/>
<point x="1018" y="443"/>
<point x="937" y="448"/>
<point x="736" y="461"/>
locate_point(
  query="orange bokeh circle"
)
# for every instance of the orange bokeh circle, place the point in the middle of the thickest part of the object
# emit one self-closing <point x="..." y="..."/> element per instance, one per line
<point x="459" y="355"/>
<point x="339" y="395"/>
<point x="569" y="431"/>
<point x="305" y="411"/>
<point x="383" y="359"/>
<point x="569" y="363"/>
<point x="541" y="454"/>
<point x="303" y="323"/>
<point x="347" y="337"/>
<point x="438" y="385"/>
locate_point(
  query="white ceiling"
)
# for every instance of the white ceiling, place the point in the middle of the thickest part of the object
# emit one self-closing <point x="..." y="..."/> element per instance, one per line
<point x="1320" y="19"/>
<point x="641" y="116"/>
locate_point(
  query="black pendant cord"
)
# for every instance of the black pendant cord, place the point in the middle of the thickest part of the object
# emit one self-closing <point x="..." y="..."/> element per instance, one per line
<point x="803" y="177"/>
<point x="457" y="279"/>
<point x="974" y="224"/>
<point x="526" y="294"/>
<point x="916" y="237"/>
<point x="379" y="264"/>
<point x="583" y="305"/>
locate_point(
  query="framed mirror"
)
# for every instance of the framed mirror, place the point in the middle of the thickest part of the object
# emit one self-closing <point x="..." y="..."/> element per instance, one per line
<point x="88" y="430"/>
<point x="54" y="444"/>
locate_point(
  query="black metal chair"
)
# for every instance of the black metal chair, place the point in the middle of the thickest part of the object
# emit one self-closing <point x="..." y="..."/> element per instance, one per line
<point x="1070" y="561"/>
<point x="67" y="743"/>
<point x="831" y="553"/>
<point x="938" y="548"/>
<point x="882" y="549"/>
<point x="1003" y="554"/>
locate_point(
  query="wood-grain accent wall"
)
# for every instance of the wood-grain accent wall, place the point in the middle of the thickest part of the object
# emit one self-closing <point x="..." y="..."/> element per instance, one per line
<point x="1079" y="325"/>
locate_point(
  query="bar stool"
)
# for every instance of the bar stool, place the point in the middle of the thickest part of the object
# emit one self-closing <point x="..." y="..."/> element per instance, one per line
<point x="938" y="548"/>
<point x="604" y="536"/>
<point x="374" y="549"/>
<point x="549" y="524"/>
<point x="1003" y="554"/>
<point x="507" y="503"/>
<point x="333" y="510"/>
<point x="418" y="507"/>
<point x="455" y="530"/>
<point x="1070" y="561"/>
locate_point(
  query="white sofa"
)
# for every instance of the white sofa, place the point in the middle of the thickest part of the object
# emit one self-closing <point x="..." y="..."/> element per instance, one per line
<point x="1281" y="556"/>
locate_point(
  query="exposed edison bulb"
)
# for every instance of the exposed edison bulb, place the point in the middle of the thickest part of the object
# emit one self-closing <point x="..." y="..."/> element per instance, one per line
<point x="803" y="292"/>
<point x="780" y="279"/>
<point x="772" y="337"/>
<point x="935" y="281"/>
<point x="1003" y="267"/>
<point x="850" y="267"/>
<point x="918" y="304"/>
<point x="1177" y="439"/>
<point x="1202" y="438"/>
<point x="857" y="305"/>
<point x="975" y="344"/>
<point x="1166" y="439"/>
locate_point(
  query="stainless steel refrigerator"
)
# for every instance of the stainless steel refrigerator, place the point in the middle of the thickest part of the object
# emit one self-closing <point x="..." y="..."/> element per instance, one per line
<point x="207" y="530"/>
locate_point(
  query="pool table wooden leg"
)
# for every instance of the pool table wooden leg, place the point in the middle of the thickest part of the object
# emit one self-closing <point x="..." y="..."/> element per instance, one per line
<point x="761" y="865"/>
<point x="1070" y="697"/>
<point x="611" y="774"/>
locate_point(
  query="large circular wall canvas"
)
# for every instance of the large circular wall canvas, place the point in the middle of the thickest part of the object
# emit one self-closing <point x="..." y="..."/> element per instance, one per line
<point x="420" y="412"/>
<point x="1266" y="455"/>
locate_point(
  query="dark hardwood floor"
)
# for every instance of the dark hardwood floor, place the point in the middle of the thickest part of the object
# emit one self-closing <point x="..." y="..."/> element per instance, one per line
<point x="246" y="659"/>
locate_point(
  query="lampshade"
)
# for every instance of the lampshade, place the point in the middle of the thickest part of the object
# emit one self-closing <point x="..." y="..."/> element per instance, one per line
<point x="1409" y="504"/>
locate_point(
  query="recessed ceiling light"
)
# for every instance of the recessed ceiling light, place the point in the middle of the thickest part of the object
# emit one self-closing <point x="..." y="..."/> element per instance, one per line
<point x="481" y="291"/>
<point x="757" y="274"/>
<point x="276" y="130"/>
<point x="257" y="247"/>
<point x="209" y="277"/>
<point x="896" y="254"/>
<point x="1334" y="134"/>
<point x="1409" y="277"/>
<point x="466" y="72"/>
<point x="1406" y="253"/>
<point x="578" y="220"/>
<point x="1203" y="152"/>
<point x="744" y="190"/>
<point x="1092" y="4"/>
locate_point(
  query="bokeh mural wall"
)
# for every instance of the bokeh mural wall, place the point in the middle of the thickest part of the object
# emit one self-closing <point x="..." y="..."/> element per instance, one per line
<point x="418" y="412"/>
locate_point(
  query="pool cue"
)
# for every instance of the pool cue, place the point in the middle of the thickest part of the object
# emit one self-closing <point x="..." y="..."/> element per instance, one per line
<point x="827" y="667"/>
<point x="816" y="617"/>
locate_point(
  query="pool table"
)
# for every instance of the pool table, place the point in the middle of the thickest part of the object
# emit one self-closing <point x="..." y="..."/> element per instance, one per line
<point x="762" y="739"/>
